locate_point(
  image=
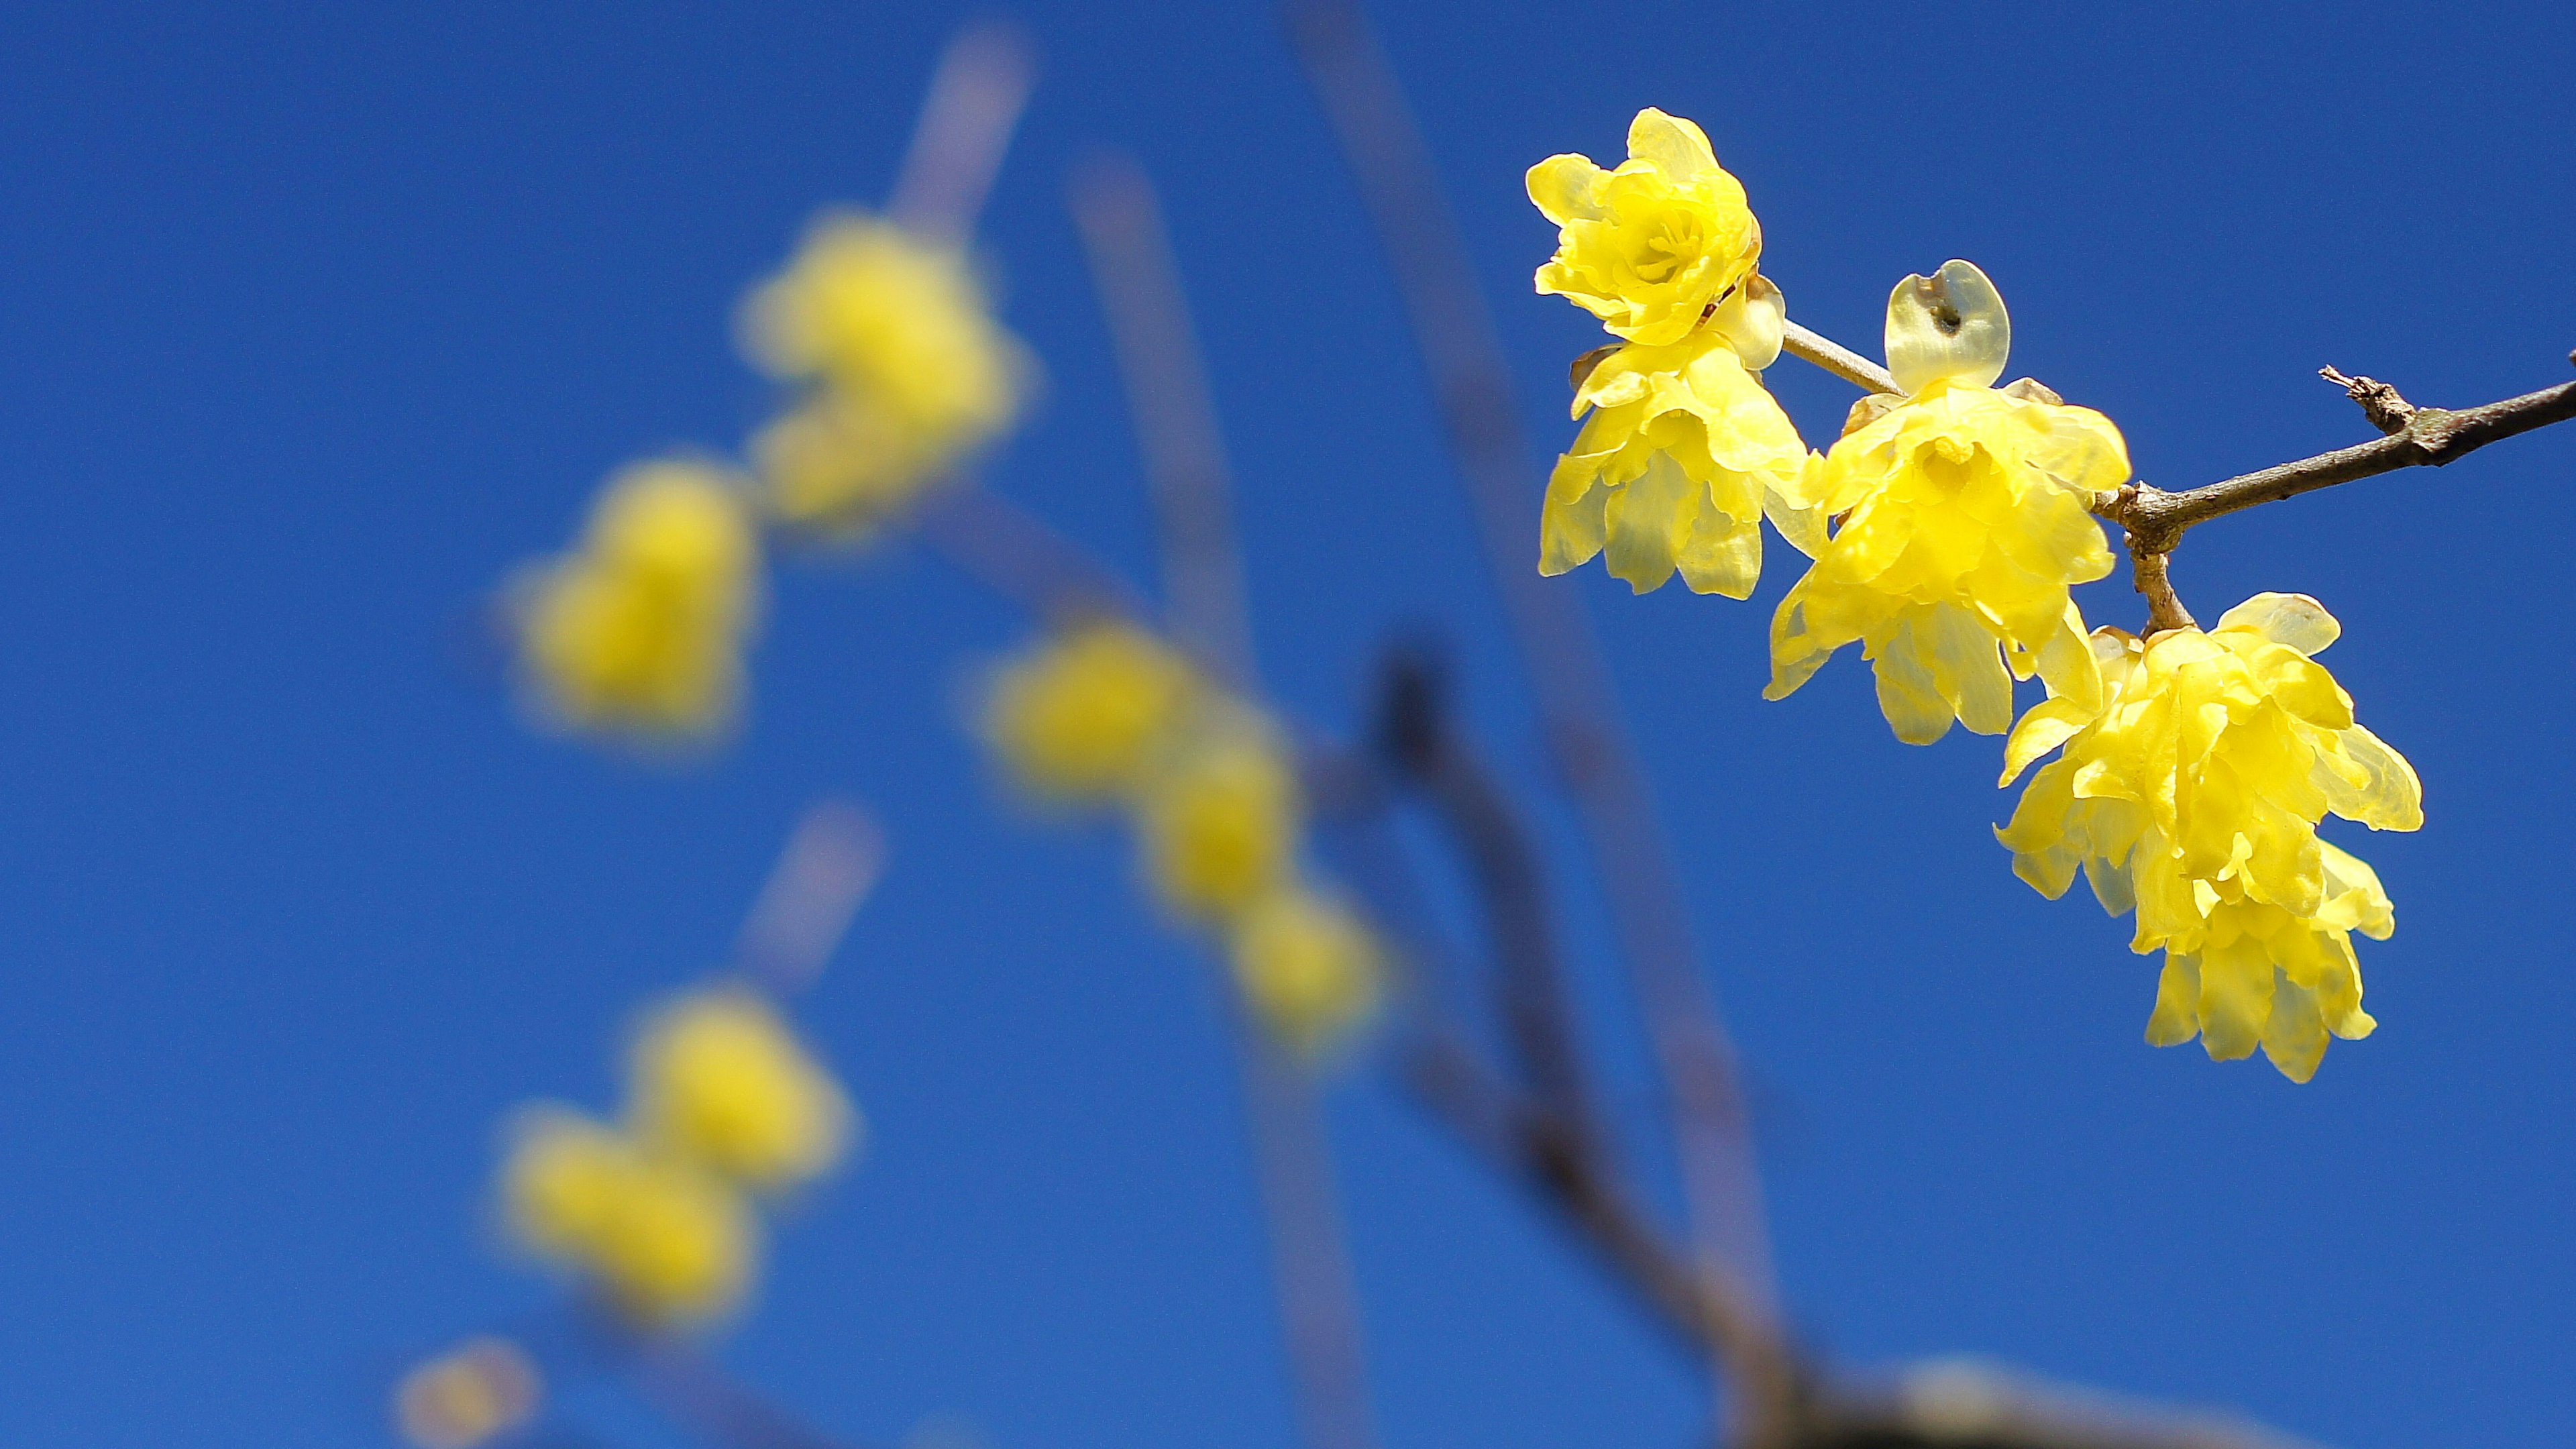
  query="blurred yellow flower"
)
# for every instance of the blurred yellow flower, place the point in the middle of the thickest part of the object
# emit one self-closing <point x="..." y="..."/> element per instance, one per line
<point x="1650" y="247"/>
<point x="641" y="628"/>
<point x="1082" y="716"/>
<point x="1963" y="521"/>
<point x="668" y="1243"/>
<point x="719" y="1078"/>
<point x="912" y="370"/>
<point x="1220" y="822"/>
<point x="481" y="1389"/>
<point x="2190" y="790"/>
<point x="1309" y="968"/>
<point x="1684" y="454"/>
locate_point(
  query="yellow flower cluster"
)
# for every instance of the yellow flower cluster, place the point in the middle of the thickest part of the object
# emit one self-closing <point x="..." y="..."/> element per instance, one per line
<point x="1106" y="713"/>
<point x="908" y="371"/>
<point x="653" y="1214"/>
<point x="641" y="628"/>
<point x="1947" y="528"/>
<point x="1964" y="517"/>
<point x="1685" y="451"/>
<point x="2190" y="790"/>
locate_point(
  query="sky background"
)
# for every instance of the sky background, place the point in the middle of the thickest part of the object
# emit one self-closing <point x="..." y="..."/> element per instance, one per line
<point x="318" y="322"/>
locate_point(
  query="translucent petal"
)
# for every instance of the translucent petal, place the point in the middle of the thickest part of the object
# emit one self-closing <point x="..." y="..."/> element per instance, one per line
<point x="1753" y="319"/>
<point x="1679" y="148"/>
<point x="1802" y="528"/>
<point x="1646" y="520"/>
<point x="2295" y="1035"/>
<point x="2235" y="998"/>
<point x="2069" y="666"/>
<point x="1571" y="533"/>
<point x="1722" y="556"/>
<point x="2177" y="1015"/>
<point x="1967" y="655"/>
<point x="1907" y="692"/>
<point x="1562" y="188"/>
<point x="1950" y="326"/>
<point x="2389" y="796"/>
<point x="2043" y="727"/>
<point x="2293" y="620"/>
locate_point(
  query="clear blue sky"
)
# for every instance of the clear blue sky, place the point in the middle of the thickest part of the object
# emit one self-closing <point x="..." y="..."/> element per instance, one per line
<point x="316" y="323"/>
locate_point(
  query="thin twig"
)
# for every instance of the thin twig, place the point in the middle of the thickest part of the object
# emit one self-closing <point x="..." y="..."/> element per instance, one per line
<point x="1139" y="283"/>
<point x="2387" y="409"/>
<point x="1018" y="555"/>
<point x="830" y="864"/>
<point x="688" y="1387"/>
<point x="1833" y="357"/>
<point x="1378" y="136"/>
<point x="974" y="104"/>
<point x="2430" y="437"/>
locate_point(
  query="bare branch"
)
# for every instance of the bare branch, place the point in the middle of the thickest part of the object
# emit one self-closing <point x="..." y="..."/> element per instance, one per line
<point x="822" y="877"/>
<point x="1435" y="276"/>
<point x="974" y="104"/>
<point x="1019" y="555"/>
<point x="1139" y="284"/>
<point x="1837" y="359"/>
<point x="688" y="1387"/>
<point x="2380" y="402"/>
<point x="2429" y="437"/>
<point x="2154" y="575"/>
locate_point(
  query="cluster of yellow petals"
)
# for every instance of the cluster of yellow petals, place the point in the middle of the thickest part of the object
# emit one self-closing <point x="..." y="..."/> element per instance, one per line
<point x="2190" y="790"/>
<point x="668" y="1242"/>
<point x="641" y="628"/>
<point x="1106" y="713"/>
<point x="908" y="371"/>
<point x="1685" y="451"/>
<point x="722" y="1100"/>
<point x="1963" y="517"/>
<point x="718" y="1077"/>
<point x="1649" y="247"/>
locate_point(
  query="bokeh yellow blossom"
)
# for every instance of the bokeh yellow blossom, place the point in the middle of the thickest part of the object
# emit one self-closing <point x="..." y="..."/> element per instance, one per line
<point x="480" y="1390"/>
<point x="718" y="1077"/>
<point x="1220" y="821"/>
<point x="1308" y="967"/>
<point x="1082" y="716"/>
<point x="1683" y="456"/>
<point x="668" y="1243"/>
<point x="2190" y="791"/>
<point x="1649" y="247"/>
<point x="641" y="627"/>
<point x="1963" y="521"/>
<point x="910" y="370"/>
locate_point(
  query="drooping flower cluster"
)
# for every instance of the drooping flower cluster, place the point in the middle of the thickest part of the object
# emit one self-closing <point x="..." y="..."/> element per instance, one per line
<point x="2191" y="792"/>
<point x="1948" y="527"/>
<point x="654" y="1214"/>
<point x="1964" y="519"/>
<point x="906" y="371"/>
<point x="1105" y="713"/>
<point x="1685" y="451"/>
<point x="640" y="630"/>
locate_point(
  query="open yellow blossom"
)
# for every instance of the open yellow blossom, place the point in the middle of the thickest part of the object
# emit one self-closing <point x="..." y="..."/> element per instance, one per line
<point x="1220" y="822"/>
<point x="2190" y="790"/>
<point x="1309" y="968"/>
<point x="913" y="371"/>
<point x="1683" y="456"/>
<point x="641" y="628"/>
<point x="1083" y="716"/>
<point x="1649" y="247"/>
<point x="668" y="1243"/>
<point x="1964" y="521"/>
<point x="719" y="1078"/>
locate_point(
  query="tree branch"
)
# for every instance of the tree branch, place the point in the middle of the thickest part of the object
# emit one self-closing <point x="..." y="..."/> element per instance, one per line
<point x="1837" y="359"/>
<point x="2428" y="437"/>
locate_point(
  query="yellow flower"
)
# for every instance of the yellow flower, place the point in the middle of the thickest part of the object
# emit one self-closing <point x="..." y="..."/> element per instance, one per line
<point x="1649" y="247"/>
<point x="720" y="1079"/>
<point x="913" y="371"/>
<point x="1963" y="523"/>
<point x="1081" y="717"/>
<point x="2191" y="791"/>
<point x="642" y="627"/>
<point x="1684" y="454"/>
<point x="1220" y="822"/>
<point x="1308" y="967"/>
<point x="668" y="1243"/>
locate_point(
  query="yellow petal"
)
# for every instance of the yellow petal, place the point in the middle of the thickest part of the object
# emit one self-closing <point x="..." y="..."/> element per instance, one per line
<point x="1562" y="188"/>
<point x="2177" y="1015"/>
<point x="1679" y="148"/>
<point x="1753" y="319"/>
<point x="1949" y="327"/>
<point x="2292" y="620"/>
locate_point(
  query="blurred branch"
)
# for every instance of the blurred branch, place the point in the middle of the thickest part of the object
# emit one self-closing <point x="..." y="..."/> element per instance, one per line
<point x="694" y="1393"/>
<point x="1435" y="275"/>
<point x="1018" y="555"/>
<point x="1132" y="268"/>
<point x="974" y="104"/>
<point x="829" y="866"/>
<point x="1139" y="283"/>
